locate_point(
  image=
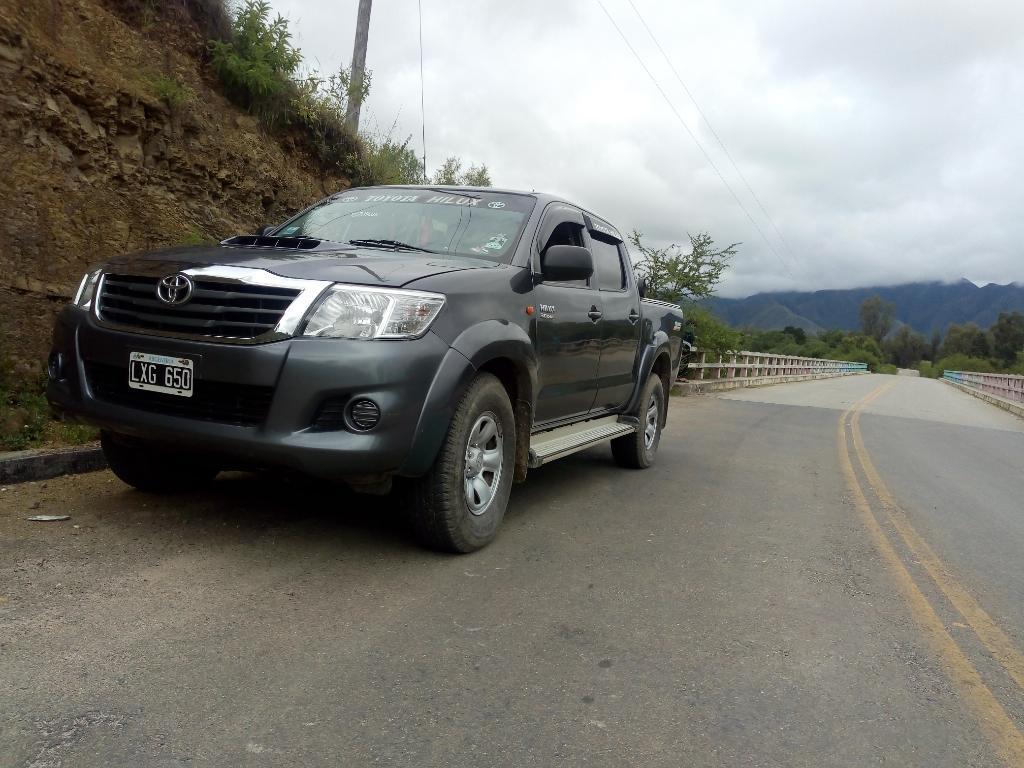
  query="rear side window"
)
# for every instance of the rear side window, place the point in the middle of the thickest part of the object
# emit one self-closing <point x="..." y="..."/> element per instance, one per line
<point x="608" y="272"/>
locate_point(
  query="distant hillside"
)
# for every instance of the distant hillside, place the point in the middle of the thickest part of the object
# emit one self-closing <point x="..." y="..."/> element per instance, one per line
<point x="926" y="307"/>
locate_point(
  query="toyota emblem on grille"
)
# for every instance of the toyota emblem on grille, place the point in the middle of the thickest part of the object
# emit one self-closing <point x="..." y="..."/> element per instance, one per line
<point x="175" y="289"/>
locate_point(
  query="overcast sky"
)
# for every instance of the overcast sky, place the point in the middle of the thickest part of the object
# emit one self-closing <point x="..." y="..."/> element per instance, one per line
<point x="885" y="138"/>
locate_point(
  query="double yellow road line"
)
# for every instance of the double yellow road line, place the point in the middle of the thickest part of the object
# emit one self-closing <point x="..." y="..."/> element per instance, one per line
<point x="1004" y="735"/>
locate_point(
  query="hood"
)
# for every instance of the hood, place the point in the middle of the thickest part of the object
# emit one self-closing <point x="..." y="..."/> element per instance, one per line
<point x="341" y="264"/>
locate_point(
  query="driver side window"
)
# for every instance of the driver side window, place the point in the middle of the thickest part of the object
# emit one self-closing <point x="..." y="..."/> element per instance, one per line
<point x="566" y="233"/>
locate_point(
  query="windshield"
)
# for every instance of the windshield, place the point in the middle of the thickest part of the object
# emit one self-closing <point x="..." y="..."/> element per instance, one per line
<point x="481" y="225"/>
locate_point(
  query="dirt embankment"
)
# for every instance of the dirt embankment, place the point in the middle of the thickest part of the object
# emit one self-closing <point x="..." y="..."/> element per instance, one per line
<point x="113" y="137"/>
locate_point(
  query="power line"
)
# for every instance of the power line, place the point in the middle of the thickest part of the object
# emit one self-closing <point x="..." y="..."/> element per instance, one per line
<point x="423" y="108"/>
<point x="696" y="141"/>
<point x="711" y="128"/>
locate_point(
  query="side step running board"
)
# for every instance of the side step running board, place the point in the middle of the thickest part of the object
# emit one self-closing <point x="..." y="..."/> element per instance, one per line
<point x="556" y="443"/>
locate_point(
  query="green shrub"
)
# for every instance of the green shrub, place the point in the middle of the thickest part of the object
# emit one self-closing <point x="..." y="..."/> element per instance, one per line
<point x="195" y="237"/>
<point x="388" y="161"/>
<point x="711" y="334"/>
<point x="961" y="362"/>
<point x="171" y="92"/>
<point x="257" y="64"/>
<point x="258" y="68"/>
<point x="888" y="368"/>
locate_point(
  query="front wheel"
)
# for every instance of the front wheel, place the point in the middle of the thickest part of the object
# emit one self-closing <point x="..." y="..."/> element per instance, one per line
<point x="459" y="504"/>
<point x="637" y="450"/>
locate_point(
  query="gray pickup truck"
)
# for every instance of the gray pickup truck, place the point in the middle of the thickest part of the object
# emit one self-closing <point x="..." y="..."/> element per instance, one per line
<point x="455" y="337"/>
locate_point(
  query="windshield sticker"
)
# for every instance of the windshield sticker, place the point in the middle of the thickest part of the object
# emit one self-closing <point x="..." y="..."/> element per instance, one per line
<point x="430" y="198"/>
<point x="597" y="226"/>
<point x="289" y="230"/>
<point x="469" y="202"/>
<point x="496" y="242"/>
<point x="392" y="198"/>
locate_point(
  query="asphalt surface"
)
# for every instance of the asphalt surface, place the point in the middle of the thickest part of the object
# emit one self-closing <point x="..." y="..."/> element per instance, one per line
<point x="734" y="605"/>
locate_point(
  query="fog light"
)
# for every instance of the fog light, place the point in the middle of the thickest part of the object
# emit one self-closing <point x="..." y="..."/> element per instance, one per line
<point x="364" y="414"/>
<point x="55" y="366"/>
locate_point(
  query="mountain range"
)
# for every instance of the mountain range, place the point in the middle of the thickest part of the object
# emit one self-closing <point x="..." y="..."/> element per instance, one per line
<point x="926" y="307"/>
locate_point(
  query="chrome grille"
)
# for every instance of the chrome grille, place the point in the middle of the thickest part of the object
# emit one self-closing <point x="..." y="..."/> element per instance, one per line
<point x="217" y="309"/>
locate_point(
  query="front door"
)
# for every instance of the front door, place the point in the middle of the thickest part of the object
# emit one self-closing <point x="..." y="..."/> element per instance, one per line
<point x="566" y="328"/>
<point x="620" y="320"/>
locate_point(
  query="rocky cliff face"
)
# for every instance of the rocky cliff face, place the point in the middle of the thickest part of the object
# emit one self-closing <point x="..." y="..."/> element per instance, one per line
<point x="113" y="138"/>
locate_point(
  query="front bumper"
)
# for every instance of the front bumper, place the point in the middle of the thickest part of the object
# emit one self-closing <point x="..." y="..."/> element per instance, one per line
<point x="413" y="382"/>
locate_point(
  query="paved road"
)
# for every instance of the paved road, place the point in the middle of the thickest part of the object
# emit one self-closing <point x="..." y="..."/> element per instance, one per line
<point x="817" y="574"/>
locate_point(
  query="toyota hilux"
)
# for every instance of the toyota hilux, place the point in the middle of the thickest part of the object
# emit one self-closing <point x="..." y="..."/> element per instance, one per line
<point x="452" y="338"/>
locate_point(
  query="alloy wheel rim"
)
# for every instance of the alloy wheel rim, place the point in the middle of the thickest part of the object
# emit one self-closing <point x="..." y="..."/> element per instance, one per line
<point x="483" y="463"/>
<point x="651" y="423"/>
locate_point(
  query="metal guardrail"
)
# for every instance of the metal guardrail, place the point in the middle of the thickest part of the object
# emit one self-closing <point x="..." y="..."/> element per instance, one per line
<point x="764" y="365"/>
<point x="1005" y="385"/>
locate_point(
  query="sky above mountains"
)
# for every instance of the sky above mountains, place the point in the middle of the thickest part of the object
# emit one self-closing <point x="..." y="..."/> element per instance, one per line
<point x="882" y="137"/>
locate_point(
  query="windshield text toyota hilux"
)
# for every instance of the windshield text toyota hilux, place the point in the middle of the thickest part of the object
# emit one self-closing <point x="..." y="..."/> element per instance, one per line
<point x="454" y="337"/>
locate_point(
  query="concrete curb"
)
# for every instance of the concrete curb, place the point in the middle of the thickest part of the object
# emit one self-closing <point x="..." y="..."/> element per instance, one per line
<point x="23" y="466"/>
<point x="1017" y="409"/>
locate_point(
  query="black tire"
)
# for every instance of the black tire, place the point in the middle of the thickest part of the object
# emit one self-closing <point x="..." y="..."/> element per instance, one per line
<point x="442" y="514"/>
<point x="153" y="469"/>
<point x="637" y="450"/>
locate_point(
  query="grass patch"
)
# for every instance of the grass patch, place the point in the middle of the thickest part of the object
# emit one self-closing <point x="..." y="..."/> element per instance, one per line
<point x="25" y="418"/>
<point x="26" y="422"/>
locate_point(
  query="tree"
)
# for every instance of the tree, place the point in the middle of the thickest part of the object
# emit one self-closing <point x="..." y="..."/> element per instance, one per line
<point x="799" y="334"/>
<point x="876" y="316"/>
<point x="968" y="340"/>
<point x="935" y="346"/>
<point x="1008" y="336"/>
<point x="451" y="173"/>
<point x="673" y="274"/>
<point x="907" y="347"/>
<point x="711" y="334"/>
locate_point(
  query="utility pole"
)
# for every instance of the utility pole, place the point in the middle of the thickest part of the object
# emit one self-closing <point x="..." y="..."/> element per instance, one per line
<point x="358" y="66"/>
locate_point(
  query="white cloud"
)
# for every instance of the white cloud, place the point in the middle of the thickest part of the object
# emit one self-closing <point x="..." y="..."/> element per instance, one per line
<point x="882" y="136"/>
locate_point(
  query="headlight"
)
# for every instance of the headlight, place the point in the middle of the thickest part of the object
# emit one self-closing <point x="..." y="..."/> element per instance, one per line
<point x="87" y="289"/>
<point x="354" y="312"/>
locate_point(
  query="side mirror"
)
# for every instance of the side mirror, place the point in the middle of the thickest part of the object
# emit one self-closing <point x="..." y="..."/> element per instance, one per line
<point x="564" y="263"/>
<point x="689" y="336"/>
<point x="266" y="229"/>
<point x="641" y="287"/>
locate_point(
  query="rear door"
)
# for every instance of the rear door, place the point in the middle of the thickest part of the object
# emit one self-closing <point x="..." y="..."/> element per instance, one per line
<point x="566" y="326"/>
<point x="620" y="319"/>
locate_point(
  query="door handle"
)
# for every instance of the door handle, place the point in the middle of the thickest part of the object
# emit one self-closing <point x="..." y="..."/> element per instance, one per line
<point x="634" y="316"/>
<point x="595" y="314"/>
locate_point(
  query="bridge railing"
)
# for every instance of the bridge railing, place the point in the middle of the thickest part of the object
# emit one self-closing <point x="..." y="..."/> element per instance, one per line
<point x="1005" y="385"/>
<point x="752" y="368"/>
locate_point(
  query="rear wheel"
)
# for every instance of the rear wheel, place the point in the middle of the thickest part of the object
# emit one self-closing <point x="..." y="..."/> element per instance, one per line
<point x="637" y="450"/>
<point x="151" y="468"/>
<point x="459" y="504"/>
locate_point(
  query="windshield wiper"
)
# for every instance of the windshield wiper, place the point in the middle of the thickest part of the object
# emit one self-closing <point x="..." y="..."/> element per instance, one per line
<point x="394" y="245"/>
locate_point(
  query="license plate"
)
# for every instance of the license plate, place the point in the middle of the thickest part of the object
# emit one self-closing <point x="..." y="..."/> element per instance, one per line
<point x="160" y="373"/>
